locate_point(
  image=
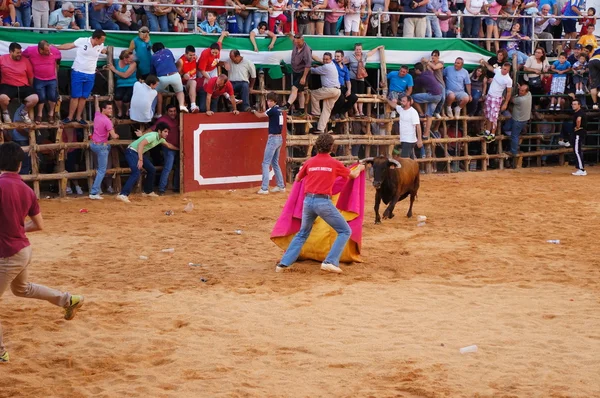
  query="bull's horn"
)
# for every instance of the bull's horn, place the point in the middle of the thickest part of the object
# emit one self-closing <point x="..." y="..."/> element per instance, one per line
<point x="365" y="160"/>
<point x="397" y="163"/>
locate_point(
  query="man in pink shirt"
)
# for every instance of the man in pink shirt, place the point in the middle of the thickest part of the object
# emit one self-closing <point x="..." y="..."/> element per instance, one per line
<point x="44" y="60"/>
<point x="103" y="127"/>
<point x="18" y="201"/>
<point x="16" y="82"/>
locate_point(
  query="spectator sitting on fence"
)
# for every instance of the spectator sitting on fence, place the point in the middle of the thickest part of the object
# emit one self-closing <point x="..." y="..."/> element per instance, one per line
<point x="134" y="154"/>
<point x="513" y="44"/>
<point x="328" y="93"/>
<point x="207" y="68"/>
<point x="579" y="70"/>
<point x="216" y="87"/>
<point x="44" y="59"/>
<point x="142" y="47"/>
<point x="170" y="155"/>
<point x="242" y="74"/>
<point x="347" y="99"/>
<point x="63" y="18"/>
<point x="210" y="25"/>
<point x="560" y="68"/>
<point x="16" y="82"/>
<point x="143" y="100"/>
<point x="125" y="77"/>
<point x="163" y="65"/>
<point x="262" y="31"/>
<point x="103" y="127"/>
<point x="493" y="102"/>
<point x="186" y="65"/>
<point x="430" y="94"/>
<point x="399" y="83"/>
<point x="83" y="72"/>
<point x="101" y="15"/>
<point x="458" y="87"/>
<point x="301" y="63"/>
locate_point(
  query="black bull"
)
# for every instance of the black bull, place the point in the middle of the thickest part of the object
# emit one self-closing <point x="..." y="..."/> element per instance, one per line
<point x="393" y="180"/>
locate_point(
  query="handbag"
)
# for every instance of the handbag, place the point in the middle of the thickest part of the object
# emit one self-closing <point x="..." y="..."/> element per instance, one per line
<point x="361" y="71"/>
<point x="506" y="23"/>
<point x="535" y="82"/>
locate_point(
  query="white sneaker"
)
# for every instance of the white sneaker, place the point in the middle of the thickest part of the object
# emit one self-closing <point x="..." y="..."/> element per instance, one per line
<point x="595" y="107"/>
<point x="151" y="195"/>
<point x="278" y="189"/>
<point x="69" y="191"/>
<point x="183" y="109"/>
<point x="123" y="198"/>
<point x="561" y="143"/>
<point x="262" y="192"/>
<point x="78" y="190"/>
<point x="95" y="197"/>
<point x="449" y="112"/>
<point x="25" y="116"/>
<point x="330" y="268"/>
<point x="457" y="111"/>
<point x="580" y="173"/>
<point x="557" y="107"/>
<point x="437" y="115"/>
<point x="279" y="268"/>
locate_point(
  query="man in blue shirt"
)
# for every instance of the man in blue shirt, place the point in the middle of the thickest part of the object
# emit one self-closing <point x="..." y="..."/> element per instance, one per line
<point x="346" y="100"/>
<point x="458" y="87"/>
<point x="101" y="15"/>
<point x="570" y="24"/>
<point x="163" y="66"/>
<point x="400" y="84"/>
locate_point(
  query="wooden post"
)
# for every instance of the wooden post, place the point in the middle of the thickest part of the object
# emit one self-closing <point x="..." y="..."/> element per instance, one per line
<point x="35" y="164"/>
<point x="111" y="77"/>
<point x="60" y="164"/>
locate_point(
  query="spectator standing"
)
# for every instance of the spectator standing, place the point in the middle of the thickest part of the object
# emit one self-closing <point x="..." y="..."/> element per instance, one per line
<point x="478" y="88"/>
<point x="594" y="68"/>
<point x="125" y="76"/>
<point x="472" y="18"/>
<point x="44" y="60"/>
<point x="357" y="62"/>
<point x="346" y="99"/>
<point x="262" y="13"/>
<point x="215" y="87"/>
<point x="493" y="102"/>
<point x="63" y="18"/>
<point x="535" y="67"/>
<point x="560" y="68"/>
<point x="163" y="66"/>
<point x="521" y="114"/>
<point x="415" y="26"/>
<point x="301" y="63"/>
<point x="262" y="31"/>
<point x="588" y="21"/>
<point x="23" y="12"/>
<point x="124" y="18"/>
<point x="243" y="16"/>
<point x="277" y="18"/>
<point x="328" y="93"/>
<point x="332" y="18"/>
<point x="103" y="128"/>
<point x="83" y="72"/>
<point x="16" y="82"/>
<point x="436" y="9"/>
<point x="458" y="87"/>
<point x="320" y="173"/>
<point x="354" y="11"/>
<point x="170" y="154"/>
<point x="101" y="15"/>
<point x="242" y="74"/>
<point x="142" y="47"/>
<point x="143" y="100"/>
<point x="491" y="24"/>
<point x="570" y="24"/>
<point x="221" y="12"/>
<point x="40" y="9"/>
<point x="579" y="70"/>
<point x="409" y="126"/>
<point x="437" y="67"/>
<point x="17" y="201"/>
<point x="400" y="83"/>
<point x="273" y="147"/>
<point x="186" y="65"/>
<point x="579" y="136"/>
<point x="158" y="16"/>
<point x="210" y="25"/>
<point x="136" y="160"/>
<point x="430" y="94"/>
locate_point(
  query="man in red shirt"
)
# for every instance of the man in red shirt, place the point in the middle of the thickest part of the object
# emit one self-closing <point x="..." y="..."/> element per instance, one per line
<point x="16" y="82"/>
<point x="321" y="172"/>
<point x="186" y="65"/>
<point x="207" y="68"/>
<point x="216" y="87"/>
<point x="18" y="201"/>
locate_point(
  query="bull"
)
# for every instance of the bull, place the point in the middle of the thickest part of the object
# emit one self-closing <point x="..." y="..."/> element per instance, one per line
<point x="393" y="180"/>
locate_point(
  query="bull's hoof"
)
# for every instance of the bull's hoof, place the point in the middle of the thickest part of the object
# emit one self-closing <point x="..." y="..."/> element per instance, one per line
<point x="391" y="216"/>
<point x="409" y="214"/>
<point x="377" y="221"/>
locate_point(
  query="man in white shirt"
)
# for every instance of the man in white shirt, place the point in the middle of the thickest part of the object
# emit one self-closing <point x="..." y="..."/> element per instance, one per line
<point x="143" y="100"/>
<point x="409" y="125"/>
<point x="83" y="72"/>
<point x="329" y="92"/>
<point x="493" y="102"/>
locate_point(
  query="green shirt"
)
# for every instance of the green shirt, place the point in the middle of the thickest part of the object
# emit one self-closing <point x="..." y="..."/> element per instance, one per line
<point x="153" y="139"/>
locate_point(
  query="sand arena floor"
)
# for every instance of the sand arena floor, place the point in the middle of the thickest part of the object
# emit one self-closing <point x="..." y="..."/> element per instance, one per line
<point x="480" y="272"/>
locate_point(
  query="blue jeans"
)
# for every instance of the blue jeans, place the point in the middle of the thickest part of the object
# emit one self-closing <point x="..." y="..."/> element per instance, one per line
<point x="244" y="25"/>
<point x="157" y="22"/>
<point x="132" y="160"/>
<point x="472" y="25"/>
<point x="24" y="16"/>
<point x="440" y="105"/>
<point x="170" y="156"/>
<point x="26" y="164"/>
<point x="102" y="152"/>
<point x="244" y="89"/>
<point x="260" y="17"/>
<point x="473" y="106"/>
<point x="201" y="100"/>
<point x="515" y="133"/>
<point x="433" y="24"/>
<point x="108" y="25"/>
<point x="521" y="57"/>
<point x="271" y="158"/>
<point x="324" y="208"/>
<point x="431" y="100"/>
<point x="47" y="90"/>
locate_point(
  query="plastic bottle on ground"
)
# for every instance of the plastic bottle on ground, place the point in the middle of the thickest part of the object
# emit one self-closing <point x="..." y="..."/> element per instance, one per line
<point x="554" y="241"/>
<point x="170" y="250"/>
<point x="189" y="207"/>
<point x="471" y="348"/>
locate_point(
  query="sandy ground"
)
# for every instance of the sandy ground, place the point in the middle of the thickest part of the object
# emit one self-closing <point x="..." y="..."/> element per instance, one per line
<point x="480" y="272"/>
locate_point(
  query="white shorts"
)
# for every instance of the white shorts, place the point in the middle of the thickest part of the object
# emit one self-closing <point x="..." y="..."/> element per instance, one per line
<point x="173" y="80"/>
<point x="351" y="22"/>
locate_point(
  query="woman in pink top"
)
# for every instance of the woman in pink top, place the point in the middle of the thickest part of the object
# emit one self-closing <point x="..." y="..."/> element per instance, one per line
<point x="44" y="59"/>
<point x="332" y="18"/>
<point x="491" y="24"/>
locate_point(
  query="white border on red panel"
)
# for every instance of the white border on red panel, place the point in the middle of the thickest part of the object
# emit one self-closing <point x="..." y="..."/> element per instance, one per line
<point x="224" y="180"/>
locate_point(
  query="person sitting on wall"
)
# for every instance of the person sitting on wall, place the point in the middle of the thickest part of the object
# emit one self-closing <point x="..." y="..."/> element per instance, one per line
<point x="242" y="74"/>
<point x="16" y="82"/>
<point x="186" y="65"/>
<point x="44" y="59"/>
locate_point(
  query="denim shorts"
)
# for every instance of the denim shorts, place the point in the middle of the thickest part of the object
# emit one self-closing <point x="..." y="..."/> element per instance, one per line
<point x="81" y="84"/>
<point x="47" y="90"/>
<point x="490" y="21"/>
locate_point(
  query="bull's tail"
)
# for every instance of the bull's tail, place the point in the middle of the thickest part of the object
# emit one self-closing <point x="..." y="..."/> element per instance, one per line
<point x="417" y="184"/>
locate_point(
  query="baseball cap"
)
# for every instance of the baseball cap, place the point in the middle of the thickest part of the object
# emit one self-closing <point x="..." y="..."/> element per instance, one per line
<point x="578" y="46"/>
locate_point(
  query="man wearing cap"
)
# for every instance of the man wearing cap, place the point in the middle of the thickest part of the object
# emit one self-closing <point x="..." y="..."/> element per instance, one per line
<point x="301" y="63"/>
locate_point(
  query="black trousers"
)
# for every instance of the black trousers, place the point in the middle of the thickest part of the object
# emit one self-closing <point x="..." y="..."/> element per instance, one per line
<point x="343" y="103"/>
<point x="579" y="137"/>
